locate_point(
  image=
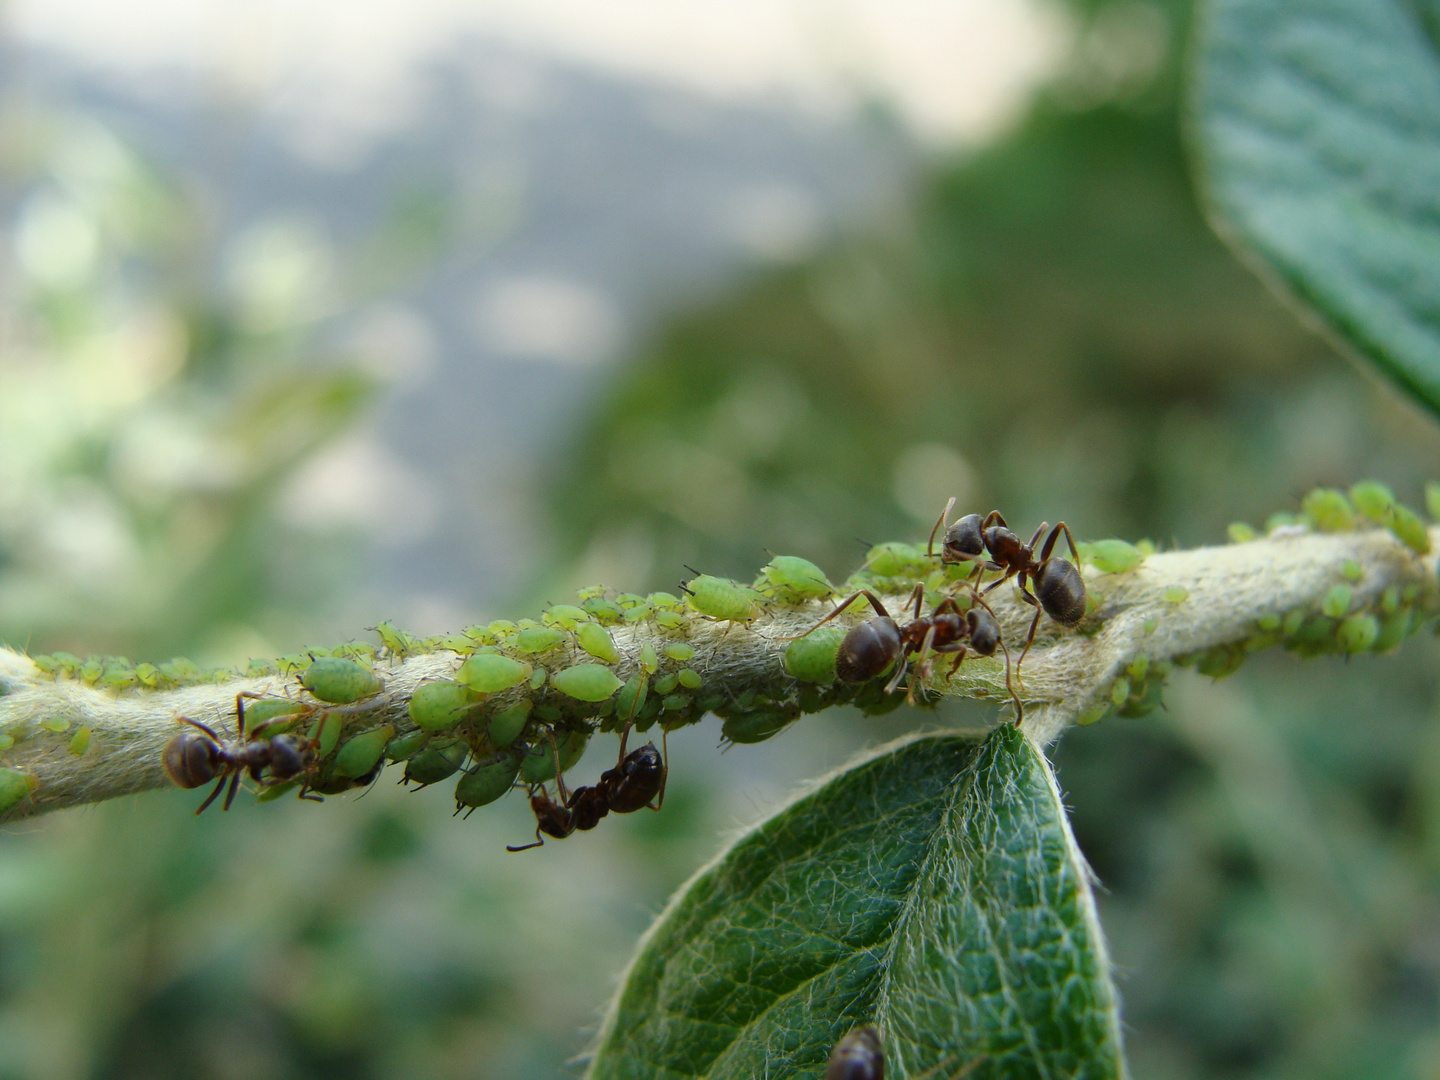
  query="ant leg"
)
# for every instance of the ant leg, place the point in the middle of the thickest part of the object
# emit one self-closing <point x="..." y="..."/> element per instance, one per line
<point x="664" y="769"/>
<point x="1038" y="533"/>
<point x="943" y="520"/>
<point x="994" y="518"/>
<point x="202" y="727"/>
<point x="214" y="792"/>
<point x="1009" y="573"/>
<point x="923" y="654"/>
<point x="1030" y="638"/>
<point x="1055" y="535"/>
<point x="234" y="787"/>
<point x="961" y="653"/>
<point x="918" y="597"/>
<point x="559" y="780"/>
<point x="874" y="603"/>
<point x="525" y="847"/>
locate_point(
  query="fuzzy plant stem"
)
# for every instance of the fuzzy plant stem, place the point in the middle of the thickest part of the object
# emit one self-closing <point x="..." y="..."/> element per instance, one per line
<point x="74" y="743"/>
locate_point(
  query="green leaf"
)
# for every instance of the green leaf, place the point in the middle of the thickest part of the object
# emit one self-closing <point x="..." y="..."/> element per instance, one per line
<point x="933" y="889"/>
<point x="1319" y="124"/>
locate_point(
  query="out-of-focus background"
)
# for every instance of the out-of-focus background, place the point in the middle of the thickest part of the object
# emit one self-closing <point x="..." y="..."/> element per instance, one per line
<point x="317" y="314"/>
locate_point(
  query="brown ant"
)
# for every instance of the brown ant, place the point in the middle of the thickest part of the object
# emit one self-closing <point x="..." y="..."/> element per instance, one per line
<point x="859" y="1056"/>
<point x="870" y="648"/>
<point x="197" y="755"/>
<point x="1059" y="590"/>
<point x="636" y="781"/>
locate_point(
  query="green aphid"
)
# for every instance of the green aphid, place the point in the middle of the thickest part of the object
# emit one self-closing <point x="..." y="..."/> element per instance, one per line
<point x="1352" y="570"/>
<point x="664" y="601"/>
<point x="721" y="598"/>
<point x="56" y="724"/>
<point x="1337" y="601"/>
<point x="256" y="669"/>
<point x="1410" y="593"/>
<point x="1221" y="660"/>
<point x="1150" y="626"/>
<point x="362" y="753"/>
<point x="340" y="681"/>
<point x="489" y="673"/>
<point x="639" y="613"/>
<point x="629" y="600"/>
<point x="1176" y="594"/>
<point x="649" y="659"/>
<point x="435" y="763"/>
<point x="537" y="639"/>
<point x="665" y="684"/>
<point x="895" y="559"/>
<point x="147" y="675"/>
<point x="1269" y="623"/>
<point x="80" y="741"/>
<point x="812" y="658"/>
<point x="1138" y="668"/>
<point x="487" y="782"/>
<point x="6" y="742"/>
<point x="757" y="725"/>
<point x="290" y="664"/>
<point x="591" y="592"/>
<point x="180" y="671"/>
<point x="47" y="665"/>
<point x="502" y="629"/>
<point x="565" y="616"/>
<point x="1390" y="600"/>
<point x="1394" y="629"/>
<point x="507" y="724"/>
<point x="1146" y="547"/>
<point x="793" y="580"/>
<point x="1315" y="636"/>
<point x="460" y="644"/>
<point x="690" y="678"/>
<point x="1293" y="622"/>
<point x="440" y="705"/>
<point x="91" y="670"/>
<point x="1406" y="524"/>
<point x="265" y="713"/>
<point x="596" y="641"/>
<point x="119" y="677"/>
<point x="604" y="611"/>
<point x="397" y="642"/>
<point x="326" y="733"/>
<point x="1240" y="532"/>
<point x="669" y="620"/>
<point x="356" y="650"/>
<point x="1281" y="520"/>
<point x="1374" y="500"/>
<point x="479" y="635"/>
<point x="407" y="745"/>
<point x="631" y="698"/>
<point x="679" y="651"/>
<point x="538" y="677"/>
<point x="1095" y="713"/>
<point x="548" y="712"/>
<point x="538" y="765"/>
<point x="271" y="792"/>
<point x="676" y="702"/>
<point x="1328" y="510"/>
<point x="14" y="786"/>
<point x="587" y="682"/>
<point x="1114" y="556"/>
<point x="1120" y="692"/>
<point x="1358" y="633"/>
<point x="1432" y="500"/>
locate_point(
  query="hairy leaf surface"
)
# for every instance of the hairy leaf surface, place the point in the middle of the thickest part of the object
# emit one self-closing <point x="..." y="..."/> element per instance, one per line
<point x="932" y="888"/>
<point x="1319" y="124"/>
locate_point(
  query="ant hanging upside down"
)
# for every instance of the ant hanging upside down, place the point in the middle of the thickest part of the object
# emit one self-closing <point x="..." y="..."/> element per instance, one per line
<point x="1059" y="590"/>
<point x="197" y="755"/>
<point x="637" y="781"/>
<point x="870" y="648"/>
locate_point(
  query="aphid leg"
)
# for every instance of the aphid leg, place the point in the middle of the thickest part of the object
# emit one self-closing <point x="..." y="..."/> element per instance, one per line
<point x="874" y="603"/>
<point x="559" y="780"/>
<point x="944" y="520"/>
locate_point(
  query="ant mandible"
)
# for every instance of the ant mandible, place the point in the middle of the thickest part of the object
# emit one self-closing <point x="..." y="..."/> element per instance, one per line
<point x="197" y="755"/>
<point x="1059" y="590"/>
<point x="636" y="781"/>
<point x="869" y="648"/>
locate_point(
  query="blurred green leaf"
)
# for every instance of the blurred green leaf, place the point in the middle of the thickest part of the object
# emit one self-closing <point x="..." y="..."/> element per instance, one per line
<point x="933" y="889"/>
<point x="1320" y="130"/>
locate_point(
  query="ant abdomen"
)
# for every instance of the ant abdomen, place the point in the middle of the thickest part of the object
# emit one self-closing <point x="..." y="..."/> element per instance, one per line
<point x="984" y="631"/>
<point x="192" y="759"/>
<point x="636" y="781"/>
<point x="963" y="540"/>
<point x="1061" y="591"/>
<point x="868" y="650"/>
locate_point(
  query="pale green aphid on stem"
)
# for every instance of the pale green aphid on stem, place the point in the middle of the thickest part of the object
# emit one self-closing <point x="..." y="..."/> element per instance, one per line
<point x="440" y="705"/>
<point x="14" y="786"/>
<point x="264" y="711"/>
<point x="489" y="673"/>
<point x="433" y="765"/>
<point x="506" y="725"/>
<point x="565" y="616"/>
<point x="486" y="782"/>
<point x="362" y="753"/>
<point x="1112" y="556"/>
<point x="537" y="639"/>
<point x="596" y="641"/>
<point x="812" y="658"/>
<point x="396" y="641"/>
<point x="790" y="579"/>
<point x="586" y="682"/>
<point x="340" y="681"/>
<point x="538" y="765"/>
<point x="721" y="598"/>
<point x="407" y="745"/>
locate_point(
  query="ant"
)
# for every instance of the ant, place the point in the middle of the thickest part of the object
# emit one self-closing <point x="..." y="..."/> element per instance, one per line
<point x="197" y="755"/>
<point x="1059" y="590"/>
<point x="872" y="646"/>
<point x="859" y="1056"/>
<point x="637" y="779"/>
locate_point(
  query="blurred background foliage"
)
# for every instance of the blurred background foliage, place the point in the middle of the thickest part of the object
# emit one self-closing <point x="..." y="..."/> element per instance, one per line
<point x="1044" y="325"/>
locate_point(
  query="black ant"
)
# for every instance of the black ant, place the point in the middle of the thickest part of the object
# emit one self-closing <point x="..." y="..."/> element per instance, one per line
<point x="859" y="1056"/>
<point x="197" y="755"/>
<point x="636" y="781"/>
<point x="1059" y="590"/>
<point x="869" y="649"/>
